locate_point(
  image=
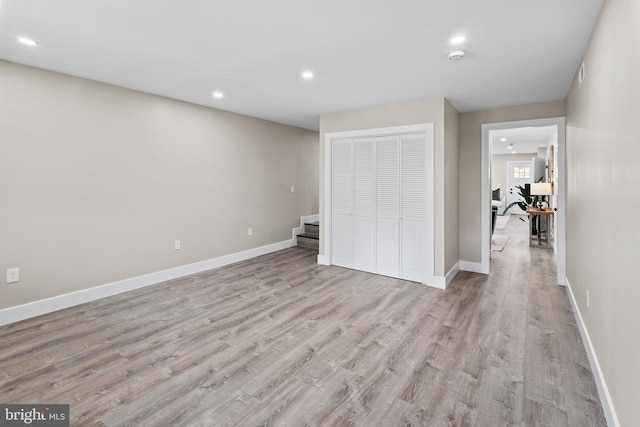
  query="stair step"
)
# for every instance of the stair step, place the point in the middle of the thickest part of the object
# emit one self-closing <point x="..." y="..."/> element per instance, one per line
<point x="312" y="230"/>
<point x="309" y="236"/>
<point x="308" y="242"/>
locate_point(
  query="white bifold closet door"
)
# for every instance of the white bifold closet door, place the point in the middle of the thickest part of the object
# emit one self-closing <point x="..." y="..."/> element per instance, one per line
<point x="379" y="205"/>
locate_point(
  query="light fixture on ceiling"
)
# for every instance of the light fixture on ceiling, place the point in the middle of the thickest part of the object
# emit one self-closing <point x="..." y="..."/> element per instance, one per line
<point x="27" y="41"/>
<point x="503" y="139"/>
<point x="510" y="146"/>
<point x="457" y="40"/>
<point x="307" y="75"/>
<point x="456" y="55"/>
<point x="217" y="94"/>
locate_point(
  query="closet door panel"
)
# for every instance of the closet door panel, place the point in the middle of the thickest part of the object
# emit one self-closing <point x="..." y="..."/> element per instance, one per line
<point x="342" y="240"/>
<point x="364" y="204"/>
<point x="387" y="247"/>
<point x="413" y="207"/>
<point x="364" y="244"/>
<point x="387" y="206"/>
<point x="413" y="255"/>
<point x="414" y="177"/>
<point x="342" y="203"/>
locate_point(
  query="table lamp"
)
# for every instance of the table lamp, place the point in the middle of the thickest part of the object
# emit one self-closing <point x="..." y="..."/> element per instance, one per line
<point x="541" y="189"/>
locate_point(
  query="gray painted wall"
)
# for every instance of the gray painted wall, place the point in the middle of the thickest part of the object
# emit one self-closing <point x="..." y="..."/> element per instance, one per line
<point x="603" y="200"/>
<point x="97" y="182"/>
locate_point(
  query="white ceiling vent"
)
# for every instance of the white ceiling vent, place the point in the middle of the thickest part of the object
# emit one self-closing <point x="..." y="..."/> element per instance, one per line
<point x="456" y="55"/>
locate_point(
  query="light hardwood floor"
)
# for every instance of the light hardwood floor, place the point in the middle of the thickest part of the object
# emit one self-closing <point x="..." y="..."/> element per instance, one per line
<point x="279" y="340"/>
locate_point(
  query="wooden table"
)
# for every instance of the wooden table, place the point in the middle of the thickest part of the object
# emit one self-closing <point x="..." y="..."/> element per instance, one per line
<point x="535" y="216"/>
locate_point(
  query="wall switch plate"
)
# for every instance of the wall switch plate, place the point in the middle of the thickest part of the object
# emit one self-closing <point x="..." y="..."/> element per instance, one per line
<point x="176" y="245"/>
<point x="250" y="232"/>
<point x="293" y="188"/>
<point x="13" y="275"/>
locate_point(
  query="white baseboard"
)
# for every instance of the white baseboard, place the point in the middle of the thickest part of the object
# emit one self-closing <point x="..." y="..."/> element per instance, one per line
<point x="49" y="305"/>
<point x="440" y="282"/>
<point x="437" y="282"/>
<point x="323" y="260"/>
<point x="452" y="273"/>
<point x="473" y="267"/>
<point x="603" y="391"/>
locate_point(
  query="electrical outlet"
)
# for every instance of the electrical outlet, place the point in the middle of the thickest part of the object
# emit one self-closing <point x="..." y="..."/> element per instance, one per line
<point x="176" y="245"/>
<point x="588" y="300"/>
<point x="250" y="232"/>
<point x="13" y="275"/>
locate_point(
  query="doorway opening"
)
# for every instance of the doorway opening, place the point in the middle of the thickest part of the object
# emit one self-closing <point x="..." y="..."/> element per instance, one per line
<point x="519" y="152"/>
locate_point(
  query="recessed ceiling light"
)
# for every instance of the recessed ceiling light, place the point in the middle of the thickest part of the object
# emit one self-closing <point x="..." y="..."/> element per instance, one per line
<point x="503" y="139"/>
<point x="513" y="152"/>
<point x="457" y="40"/>
<point x="307" y="75"/>
<point x="27" y="41"/>
<point x="218" y="94"/>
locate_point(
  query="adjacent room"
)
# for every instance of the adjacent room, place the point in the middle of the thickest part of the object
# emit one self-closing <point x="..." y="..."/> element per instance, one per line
<point x="338" y="213"/>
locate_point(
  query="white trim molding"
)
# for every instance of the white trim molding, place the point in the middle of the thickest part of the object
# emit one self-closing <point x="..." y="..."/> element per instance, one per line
<point x="603" y="391"/>
<point x="60" y="302"/>
<point x="485" y="207"/>
<point x="473" y="267"/>
<point x="323" y="260"/>
<point x="452" y="274"/>
<point x="443" y="282"/>
<point x="437" y="282"/>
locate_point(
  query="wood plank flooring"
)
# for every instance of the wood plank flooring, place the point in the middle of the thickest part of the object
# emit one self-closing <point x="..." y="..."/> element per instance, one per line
<point x="281" y="341"/>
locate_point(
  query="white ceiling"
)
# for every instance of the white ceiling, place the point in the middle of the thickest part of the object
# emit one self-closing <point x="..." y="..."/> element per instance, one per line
<point x="521" y="140"/>
<point x="362" y="52"/>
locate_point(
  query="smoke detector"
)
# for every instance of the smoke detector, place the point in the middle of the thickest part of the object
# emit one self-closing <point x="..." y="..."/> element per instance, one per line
<point x="456" y="55"/>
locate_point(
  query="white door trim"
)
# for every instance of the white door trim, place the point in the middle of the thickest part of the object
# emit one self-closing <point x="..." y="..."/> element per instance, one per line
<point x="326" y="228"/>
<point x="485" y="210"/>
